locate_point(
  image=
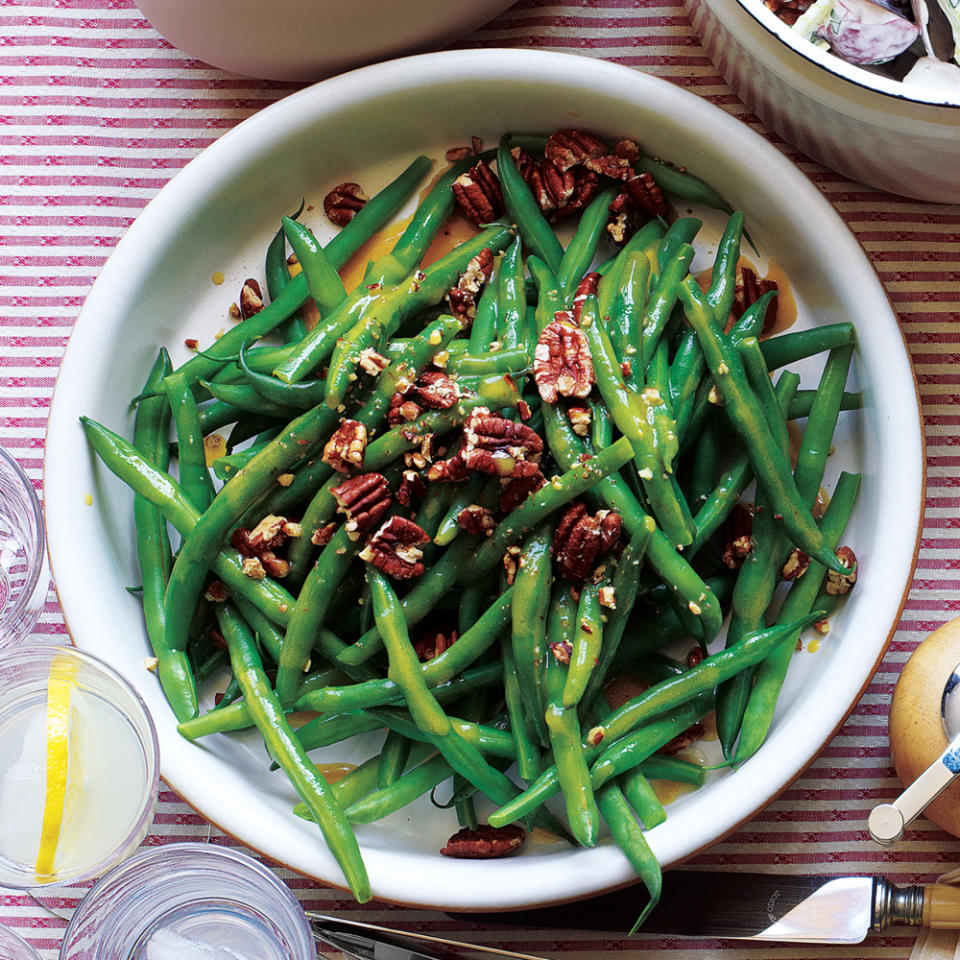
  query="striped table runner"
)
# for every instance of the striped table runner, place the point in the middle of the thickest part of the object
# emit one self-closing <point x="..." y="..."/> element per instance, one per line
<point x="97" y="112"/>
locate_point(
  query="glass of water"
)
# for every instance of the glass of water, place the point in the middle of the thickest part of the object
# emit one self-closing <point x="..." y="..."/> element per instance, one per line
<point x="189" y="901"/>
<point x="23" y="567"/>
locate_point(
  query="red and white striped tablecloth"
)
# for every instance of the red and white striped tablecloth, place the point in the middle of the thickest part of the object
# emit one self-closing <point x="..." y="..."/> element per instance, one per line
<point x="97" y="112"/>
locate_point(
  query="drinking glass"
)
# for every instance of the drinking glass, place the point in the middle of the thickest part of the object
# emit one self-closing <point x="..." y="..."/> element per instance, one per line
<point x="13" y="947"/>
<point x="109" y="787"/>
<point x="23" y="567"/>
<point x="189" y="900"/>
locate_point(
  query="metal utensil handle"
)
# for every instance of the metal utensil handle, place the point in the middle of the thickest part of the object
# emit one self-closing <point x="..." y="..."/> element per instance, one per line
<point x="893" y="905"/>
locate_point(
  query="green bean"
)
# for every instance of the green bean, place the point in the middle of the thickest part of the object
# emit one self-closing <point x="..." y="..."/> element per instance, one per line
<point x="680" y="184"/>
<point x="153" y="549"/>
<point x="244" y="396"/>
<point x="278" y="276"/>
<point x="483" y="331"/>
<point x="296" y="395"/>
<point x="389" y="798"/>
<point x="474" y="599"/>
<point x="803" y="594"/>
<point x="404" y="670"/>
<point x="580" y="252"/>
<point x="626" y="312"/>
<point x="681" y="231"/>
<point x="770" y="465"/>
<point x="791" y="347"/>
<point x="626" y="581"/>
<point x="488" y="740"/>
<point x="662" y="300"/>
<point x="531" y="592"/>
<point x="629" y="838"/>
<point x="194" y="476"/>
<point x="563" y="725"/>
<point x="611" y="280"/>
<point x="537" y="235"/>
<point x="587" y="643"/>
<point x="393" y="758"/>
<point x="510" y="360"/>
<point x="282" y="742"/>
<point x="511" y="298"/>
<point x="323" y="281"/>
<point x="804" y="399"/>
<point x="659" y="767"/>
<point x="723" y="280"/>
<point x="521" y="725"/>
<point x="643" y="798"/>
<point x="466" y="494"/>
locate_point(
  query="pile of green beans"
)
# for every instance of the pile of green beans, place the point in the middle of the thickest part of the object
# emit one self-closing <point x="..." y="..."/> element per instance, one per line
<point x="490" y="667"/>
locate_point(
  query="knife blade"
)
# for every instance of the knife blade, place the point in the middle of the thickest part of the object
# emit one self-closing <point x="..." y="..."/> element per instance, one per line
<point x="696" y="904"/>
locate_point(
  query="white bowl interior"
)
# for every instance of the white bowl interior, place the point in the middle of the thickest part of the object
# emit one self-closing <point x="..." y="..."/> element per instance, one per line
<point x="218" y="214"/>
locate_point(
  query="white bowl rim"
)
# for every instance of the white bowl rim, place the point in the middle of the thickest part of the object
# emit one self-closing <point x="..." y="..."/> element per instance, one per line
<point x="831" y="63"/>
<point x="420" y="72"/>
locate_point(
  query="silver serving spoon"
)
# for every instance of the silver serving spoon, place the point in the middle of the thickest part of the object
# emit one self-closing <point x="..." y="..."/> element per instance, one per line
<point x="888" y="820"/>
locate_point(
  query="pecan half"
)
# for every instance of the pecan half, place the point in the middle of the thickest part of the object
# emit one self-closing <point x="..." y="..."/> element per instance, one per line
<point x="502" y="447"/>
<point x="323" y="535"/>
<point x="750" y="288"/>
<point x="477" y="520"/>
<point x="561" y="362"/>
<point x="738" y="536"/>
<point x="434" y="642"/>
<point x="364" y="499"/>
<point x="627" y="149"/>
<point x="517" y="489"/>
<point x="251" y="299"/>
<point x="586" y="185"/>
<point x="840" y="583"/>
<point x="610" y="165"/>
<point x="646" y="194"/>
<point x="343" y="203"/>
<point x="570" y="148"/>
<point x="464" y="296"/>
<point x="257" y="551"/>
<point x="395" y="549"/>
<point x="437" y="390"/>
<point x="587" y="287"/>
<point x="478" y="195"/>
<point x="582" y="537"/>
<point x="346" y="447"/>
<point x="796" y="565"/>
<point x="486" y="842"/>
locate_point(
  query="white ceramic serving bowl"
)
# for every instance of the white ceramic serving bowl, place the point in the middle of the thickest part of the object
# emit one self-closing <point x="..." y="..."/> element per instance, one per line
<point x="879" y="131"/>
<point x="310" y="39"/>
<point x="218" y="214"/>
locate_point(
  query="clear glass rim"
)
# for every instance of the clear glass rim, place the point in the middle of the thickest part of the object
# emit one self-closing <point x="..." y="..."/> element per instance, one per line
<point x="19" y="606"/>
<point x="30" y="652"/>
<point x="15" y="938"/>
<point x="207" y="851"/>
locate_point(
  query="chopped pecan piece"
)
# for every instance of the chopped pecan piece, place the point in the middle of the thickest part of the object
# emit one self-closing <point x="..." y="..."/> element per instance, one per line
<point x="478" y="194"/>
<point x="562" y="651"/>
<point x="738" y="536"/>
<point x="258" y="549"/>
<point x="684" y="739"/>
<point x="477" y="520"/>
<point x="372" y="362"/>
<point x="647" y="195"/>
<point x="418" y="458"/>
<point x="402" y="410"/>
<point x="343" y="203"/>
<point x="456" y="154"/>
<point x="580" y="418"/>
<point x="271" y="532"/>
<point x="502" y="447"/>
<point x="395" y="549"/>
<point x="322" y="536"/>
<point x="346" y="447"/>
<point x="452" y="471"/>
<point x="486" y="842"/>
<point x="587" y="287"/>
<point x="694" y="656"/>
<point x="750" y="288"/>
<point x="789" y="11"/>
<point x="622" y="222"/>
<point x="797" y="564"/>
<point x="216" y="592"/>
<point x="217" y="639"/>
<point x="582" y="537"/>
<point x="511" y="563"/>
<point x="840" y="583"/>
<point x="364" y="499"/>
<point x="464" y="296"/>
<point x="517" y="489"/>
<point x="610" y="165"/>
<point x="411" y="489"/>
<point x="437" y="390"/>
<point x="434" y="642"/>
<point x="570" y="148"/>
<point x="251" y="299"/>
<point x="608" y="597"/>
<point x="253" y="568"/>
<point x="561" y="362"/>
